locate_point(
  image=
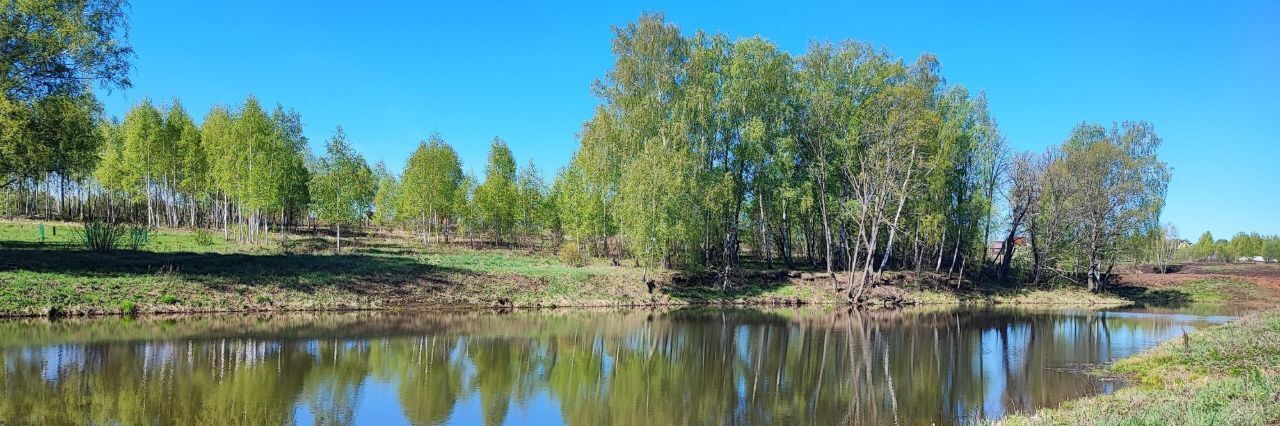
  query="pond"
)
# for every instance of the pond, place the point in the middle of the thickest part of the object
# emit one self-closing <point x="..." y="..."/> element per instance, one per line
<point x="668" y="366"/>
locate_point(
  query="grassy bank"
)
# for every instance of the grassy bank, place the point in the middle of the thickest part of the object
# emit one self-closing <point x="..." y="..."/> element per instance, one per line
<point x="182" y="271"/>
<point x="1224" y="375"/>
<point x="198" y="271"/>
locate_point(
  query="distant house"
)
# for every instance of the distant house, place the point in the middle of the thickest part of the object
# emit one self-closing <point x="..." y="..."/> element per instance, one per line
<point x="1183" y="244"/>
<point x="994" y="248"/>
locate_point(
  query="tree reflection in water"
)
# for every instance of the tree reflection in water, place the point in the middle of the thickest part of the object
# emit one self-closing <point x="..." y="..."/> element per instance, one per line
<point x="683" y="366"/>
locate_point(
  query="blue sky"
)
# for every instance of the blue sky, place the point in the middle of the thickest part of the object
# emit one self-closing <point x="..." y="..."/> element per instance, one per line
<point x="1206" y="74"/>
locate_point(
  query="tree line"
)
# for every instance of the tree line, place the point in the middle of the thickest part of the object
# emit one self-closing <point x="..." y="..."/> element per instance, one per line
<point x="704" y="153"/>
<point x="246" y="171"/>
<point x="1241" y="246"/>
<point x="845" y="158"/>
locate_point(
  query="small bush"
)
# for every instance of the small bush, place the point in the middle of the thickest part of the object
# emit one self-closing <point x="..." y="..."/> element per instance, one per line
<point x="203" y="237"/>
<point x="101" y="236"/>
<point x="572" y="256"/>
<point x="168" y="299"/>
<point x="128" y="308"/>
<point x="138" y="235"/>
<point x="262" y="299"/>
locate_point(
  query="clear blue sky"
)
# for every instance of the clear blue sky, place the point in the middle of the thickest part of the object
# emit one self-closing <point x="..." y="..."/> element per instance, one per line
<point x="1207" y="74"/>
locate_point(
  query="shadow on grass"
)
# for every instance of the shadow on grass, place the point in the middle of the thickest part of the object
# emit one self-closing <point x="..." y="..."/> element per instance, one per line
<point x="296" y="271"/>
<point x="706" y="289"/>
<point x="1165" y="298"/>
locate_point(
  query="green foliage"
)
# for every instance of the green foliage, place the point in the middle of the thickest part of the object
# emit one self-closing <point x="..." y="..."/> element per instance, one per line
<point x="1097" y="198"/>
<point x="54" y="53"/>
<point x="533" y="210"/>
<point x="431" y="183"/>
<point x="101" y="236"/>
<point x="569" y="254"/>
<point x="497" y="197"/>
<point x="1243" y="245"/>
<point x="137" y="237"/>
<point x="61" y="136"/>
<point x="386" y="198"/>
<point x="128" y="308"/>
<point x="700" y="142"/>
<point x="342" y="184"/>
<point x="202" y="237"/>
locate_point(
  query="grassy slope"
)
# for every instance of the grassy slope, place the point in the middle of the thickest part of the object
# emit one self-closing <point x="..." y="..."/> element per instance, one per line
<point x="1224" y="375"/>
<point x="176" y="273"/>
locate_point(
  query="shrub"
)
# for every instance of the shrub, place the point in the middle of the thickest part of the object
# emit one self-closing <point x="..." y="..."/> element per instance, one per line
<point x="572" y="256"/>
<point x="168" y="299"/>
<point x="101" y="236"/>
<point x="203" y="237"/>
<point x="138" y="236"/>
<point x="128" y="308"/>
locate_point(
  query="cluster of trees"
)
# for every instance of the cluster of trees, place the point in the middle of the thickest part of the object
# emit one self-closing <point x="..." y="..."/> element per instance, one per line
<point x="53" y="55"/>
<point x="247" y="171"/>
<point x="434" y="197"/>
<point x="1242" y="245"/>
<point x="1087" y="204"/>
<point x="845" y="158"/>
<point x="244" y="170"/>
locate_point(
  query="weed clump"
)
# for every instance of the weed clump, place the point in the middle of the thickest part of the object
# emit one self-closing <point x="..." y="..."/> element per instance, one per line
<point x="138" y="235"/>
<point x="101" y="236"/>
<point x="570" y="255"/>
<point x="203" y="237"/>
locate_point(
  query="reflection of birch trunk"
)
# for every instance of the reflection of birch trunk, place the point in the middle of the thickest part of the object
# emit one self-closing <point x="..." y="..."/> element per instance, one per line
<point x="854" y="399"/>
<point x="817" y="393"/>
<point x="888" y="375"/>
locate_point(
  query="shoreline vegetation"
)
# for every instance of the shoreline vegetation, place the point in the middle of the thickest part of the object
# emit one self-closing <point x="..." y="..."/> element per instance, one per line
<point x="182" y="272"/>
<point x="1224" y="374"/>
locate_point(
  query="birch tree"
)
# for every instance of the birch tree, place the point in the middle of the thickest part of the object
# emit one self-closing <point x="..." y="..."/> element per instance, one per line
<point x="342" y="186"/>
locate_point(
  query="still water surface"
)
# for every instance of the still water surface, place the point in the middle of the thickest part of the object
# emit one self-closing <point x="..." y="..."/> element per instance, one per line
<point x="683" y="366"/>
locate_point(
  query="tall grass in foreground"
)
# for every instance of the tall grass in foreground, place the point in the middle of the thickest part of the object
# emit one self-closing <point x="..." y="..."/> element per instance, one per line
<point x="1222" y="375"/>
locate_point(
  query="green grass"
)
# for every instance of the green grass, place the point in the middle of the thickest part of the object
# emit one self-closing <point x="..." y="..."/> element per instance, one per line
<point x="1218" y="290"/>
<point x="1061" y="296"/>
<point x="70" y="236"/>
<point x="182" y="271"/>
<point x="1224" y="375"/>
<point x="1212" y="290"/>
<point x="175" y="272"/>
